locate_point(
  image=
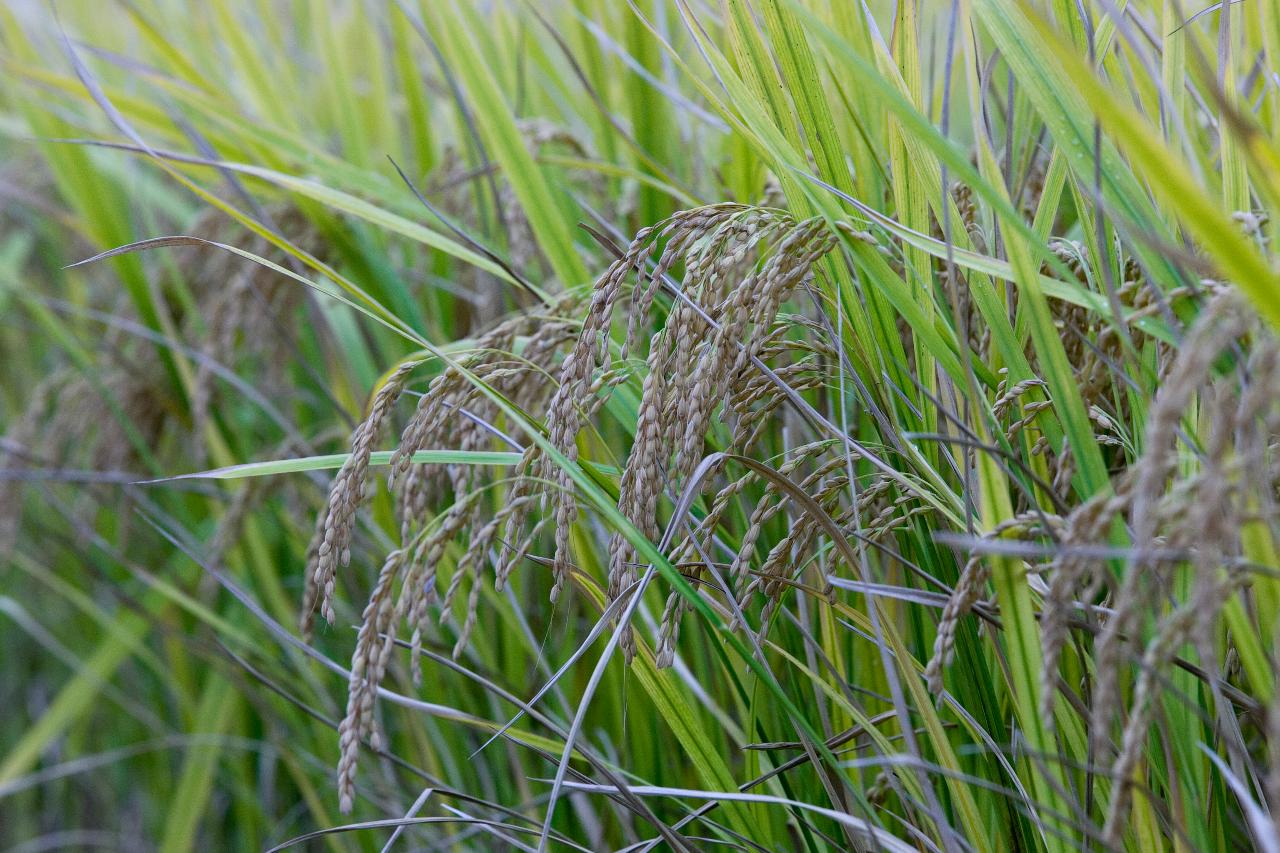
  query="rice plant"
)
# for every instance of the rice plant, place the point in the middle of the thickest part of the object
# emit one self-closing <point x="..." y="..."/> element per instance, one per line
<point x="664" y="425"/>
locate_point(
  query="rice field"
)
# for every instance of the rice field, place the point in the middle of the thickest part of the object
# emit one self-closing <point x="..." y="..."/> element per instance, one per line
<point x="678" y="425"/>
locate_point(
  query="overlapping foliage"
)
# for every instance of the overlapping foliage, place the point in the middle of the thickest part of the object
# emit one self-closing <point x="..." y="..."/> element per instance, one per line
<point x="667" y="424"/>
